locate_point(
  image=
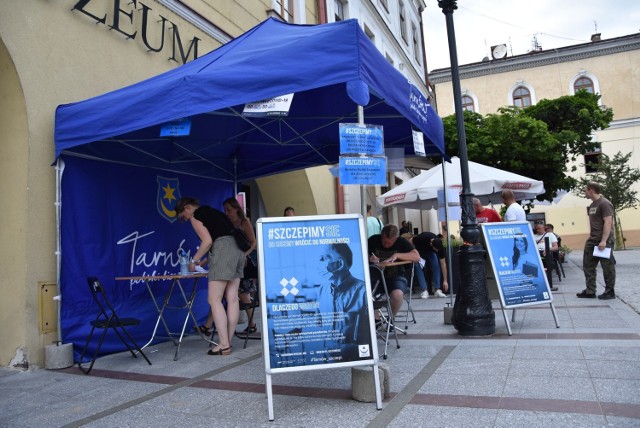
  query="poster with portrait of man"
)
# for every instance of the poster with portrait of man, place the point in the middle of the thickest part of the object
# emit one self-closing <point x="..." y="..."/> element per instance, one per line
<point x="317" y="309"/>
<point x="516" y="264"/>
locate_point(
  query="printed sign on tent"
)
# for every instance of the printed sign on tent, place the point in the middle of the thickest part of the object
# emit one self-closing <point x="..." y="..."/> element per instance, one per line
<point x="278" y="106"/>
<point x="176" y="128"/>
<point x="361" y="139"/>
<point x="363" y="170"/>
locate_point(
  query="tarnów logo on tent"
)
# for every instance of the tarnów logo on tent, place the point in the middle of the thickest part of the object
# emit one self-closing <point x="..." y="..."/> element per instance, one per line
<point x="168" y="195"/>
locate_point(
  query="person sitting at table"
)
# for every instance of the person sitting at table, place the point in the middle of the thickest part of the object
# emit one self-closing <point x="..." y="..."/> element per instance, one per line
<point x="388" y="247"/>
<point x="540" y="235"/>
<point x="226" y="264"/>
<point x="247" y="287"/>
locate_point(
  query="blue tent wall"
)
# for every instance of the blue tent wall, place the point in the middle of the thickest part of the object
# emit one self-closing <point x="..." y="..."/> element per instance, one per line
<point x="113" y="225"/>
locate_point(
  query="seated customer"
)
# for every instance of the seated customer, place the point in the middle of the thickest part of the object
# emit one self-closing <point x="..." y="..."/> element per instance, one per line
<point x="431" y="249"/>
<point x="539" y="236"/>
<point x="388" y="247"/>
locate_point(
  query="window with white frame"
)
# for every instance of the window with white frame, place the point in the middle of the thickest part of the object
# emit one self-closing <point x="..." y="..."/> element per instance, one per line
<point x="592" y="159"/>
<point x="285" y="9"/>
<point x="467" y="103"/>
<point x="403" y="22"/>
<point x="521" y="97"/>
<point x="415" y="38"/>
<point x="585" y="81"/>
<point x="338" y="7"/>
<point x="369" y="33"/>
<point x="385" y="4"/>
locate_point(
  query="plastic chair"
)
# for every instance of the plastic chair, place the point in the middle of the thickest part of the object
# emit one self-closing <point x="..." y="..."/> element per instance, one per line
<point x="108" y="319"/>
<point x="382" y="304"/>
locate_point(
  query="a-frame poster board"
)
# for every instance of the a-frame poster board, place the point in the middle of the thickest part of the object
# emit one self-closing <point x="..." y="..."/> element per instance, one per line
<point x="517" y="267"/>
<point x="317" y="311"/>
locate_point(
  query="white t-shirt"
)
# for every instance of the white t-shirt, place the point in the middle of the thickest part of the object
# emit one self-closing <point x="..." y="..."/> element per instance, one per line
<point x="540" y="240"/>
<point x="515" y="213"/>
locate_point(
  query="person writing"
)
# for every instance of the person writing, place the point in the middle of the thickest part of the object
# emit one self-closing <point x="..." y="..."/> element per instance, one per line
<point x="226" y="264"/>
<point x="388" y="247"/>
<point x="248" y="284"/>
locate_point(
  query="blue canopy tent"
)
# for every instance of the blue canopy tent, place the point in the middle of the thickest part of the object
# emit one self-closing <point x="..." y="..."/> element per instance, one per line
<point x="331" y="69"/>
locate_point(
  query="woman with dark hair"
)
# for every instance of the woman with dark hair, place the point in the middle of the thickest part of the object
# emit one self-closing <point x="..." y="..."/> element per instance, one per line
<point x="248" y="283"/>
<point x="520" y="254"/>
<point x="226" y="264"/>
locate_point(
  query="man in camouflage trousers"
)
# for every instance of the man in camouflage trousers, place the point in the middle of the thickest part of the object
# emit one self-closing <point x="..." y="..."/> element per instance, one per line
<point x="601" y="235"/>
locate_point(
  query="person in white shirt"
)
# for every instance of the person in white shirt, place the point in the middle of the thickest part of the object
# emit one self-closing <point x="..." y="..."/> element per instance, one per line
<point x="515" y="212"/>
<point x="374" y="225"/>
<point x="540" y="235"/>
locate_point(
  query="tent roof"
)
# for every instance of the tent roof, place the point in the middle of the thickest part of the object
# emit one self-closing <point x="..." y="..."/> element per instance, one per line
<point x="331" y="68"/>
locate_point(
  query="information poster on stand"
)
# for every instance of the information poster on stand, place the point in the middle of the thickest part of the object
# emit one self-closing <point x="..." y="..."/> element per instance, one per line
<point x="516" y="264"/>
<point x="316" y="303"/>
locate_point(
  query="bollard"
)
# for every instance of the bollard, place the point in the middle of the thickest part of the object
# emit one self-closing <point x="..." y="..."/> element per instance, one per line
<point x="58" y="356"/>
<point x="362" y="384"/>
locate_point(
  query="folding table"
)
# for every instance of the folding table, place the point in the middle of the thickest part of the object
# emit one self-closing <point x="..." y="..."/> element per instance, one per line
<point x="176" y="285"/>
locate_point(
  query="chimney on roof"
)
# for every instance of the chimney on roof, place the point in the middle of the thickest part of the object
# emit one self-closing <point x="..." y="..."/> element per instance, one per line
<point x="595" y="37"/>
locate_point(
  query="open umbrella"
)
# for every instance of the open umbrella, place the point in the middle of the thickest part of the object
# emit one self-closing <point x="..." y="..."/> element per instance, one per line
<point x="421" y="192"/>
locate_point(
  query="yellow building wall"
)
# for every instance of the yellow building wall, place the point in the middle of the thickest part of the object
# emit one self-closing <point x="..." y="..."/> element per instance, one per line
<point x="618" y="75"/>
<point x="52" y="55"/>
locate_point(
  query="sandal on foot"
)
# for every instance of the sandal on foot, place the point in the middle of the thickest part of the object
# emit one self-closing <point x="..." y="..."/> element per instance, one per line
<point x="203" y="329"/>
<point x="220" y="351"/>
<point x="249" y="330"/>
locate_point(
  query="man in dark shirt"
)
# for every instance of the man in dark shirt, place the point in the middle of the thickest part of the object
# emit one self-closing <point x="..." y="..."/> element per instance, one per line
<point x="389" y="247"/>
<point x="601" y="236"/>
<point x="432" y="251"/>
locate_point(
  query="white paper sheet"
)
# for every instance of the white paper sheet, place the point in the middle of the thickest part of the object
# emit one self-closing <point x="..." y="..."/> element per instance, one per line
<point x="605" y="254"/>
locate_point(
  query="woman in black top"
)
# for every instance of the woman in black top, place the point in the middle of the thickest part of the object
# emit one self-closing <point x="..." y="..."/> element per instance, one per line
<point x="226" y="263"/>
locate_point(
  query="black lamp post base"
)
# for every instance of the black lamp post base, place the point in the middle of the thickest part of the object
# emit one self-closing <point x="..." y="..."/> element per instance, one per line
<point x="472" y="311"/>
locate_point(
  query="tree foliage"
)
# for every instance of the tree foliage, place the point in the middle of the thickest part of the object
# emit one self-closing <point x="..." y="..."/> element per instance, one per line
<point x="538" y="141"/>
<point x="617" y="179"/>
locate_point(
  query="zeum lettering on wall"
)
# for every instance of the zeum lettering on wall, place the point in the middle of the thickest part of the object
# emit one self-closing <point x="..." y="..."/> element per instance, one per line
<point x="127" y="19"/>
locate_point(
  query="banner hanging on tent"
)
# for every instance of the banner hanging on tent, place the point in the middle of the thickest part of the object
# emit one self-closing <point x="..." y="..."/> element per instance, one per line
<point x="111" y="228"/>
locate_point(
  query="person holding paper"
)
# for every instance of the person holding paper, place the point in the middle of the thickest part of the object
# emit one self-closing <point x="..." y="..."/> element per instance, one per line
<point x="599" y="245"/>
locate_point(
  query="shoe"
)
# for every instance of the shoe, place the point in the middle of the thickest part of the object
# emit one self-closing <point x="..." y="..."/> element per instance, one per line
<point x="424" y="294"/>
<point x="221" y="351"/>
<point x="584" y="294"/>
<point x="250" y="330"/>
<point x="607" y="295"/>
<point x="439" y="293"/>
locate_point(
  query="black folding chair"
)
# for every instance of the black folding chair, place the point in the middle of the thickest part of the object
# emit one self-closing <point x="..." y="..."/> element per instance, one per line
<point x="108" y="319"/>
<point x="382" y="304"/>
<point x="253" y="305"/>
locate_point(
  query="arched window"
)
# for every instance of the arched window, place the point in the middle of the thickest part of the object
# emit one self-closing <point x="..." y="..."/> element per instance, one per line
<point x="467" y="103"/>
<point x="583" y="83"/>
<point x="521" y="97"/>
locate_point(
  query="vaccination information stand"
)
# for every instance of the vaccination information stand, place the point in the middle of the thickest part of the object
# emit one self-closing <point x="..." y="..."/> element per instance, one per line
<point x="517" y="267"/>
<point x="317" y="307"/>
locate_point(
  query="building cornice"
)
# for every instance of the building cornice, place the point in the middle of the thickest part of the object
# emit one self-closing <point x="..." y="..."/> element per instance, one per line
<point x="540" y="58"/>
<point x="196" y="20"/>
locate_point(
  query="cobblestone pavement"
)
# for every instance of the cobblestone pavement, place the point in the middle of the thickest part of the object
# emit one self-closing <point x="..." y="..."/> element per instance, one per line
<point x="627" y="275"/>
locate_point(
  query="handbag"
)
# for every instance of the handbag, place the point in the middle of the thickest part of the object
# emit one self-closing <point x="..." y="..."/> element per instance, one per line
<point x="241" y="239"/>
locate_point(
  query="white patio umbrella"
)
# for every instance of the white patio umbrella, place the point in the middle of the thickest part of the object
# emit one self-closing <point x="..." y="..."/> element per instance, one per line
<point x="421" y="192"/>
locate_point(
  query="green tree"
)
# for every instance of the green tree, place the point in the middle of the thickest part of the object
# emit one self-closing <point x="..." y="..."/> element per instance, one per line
<point x="617" y="179"/>
<point x="540" y="141"/>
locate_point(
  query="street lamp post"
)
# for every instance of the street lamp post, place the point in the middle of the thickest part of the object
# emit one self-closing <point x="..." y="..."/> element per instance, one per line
<point x="472" y="312"/>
